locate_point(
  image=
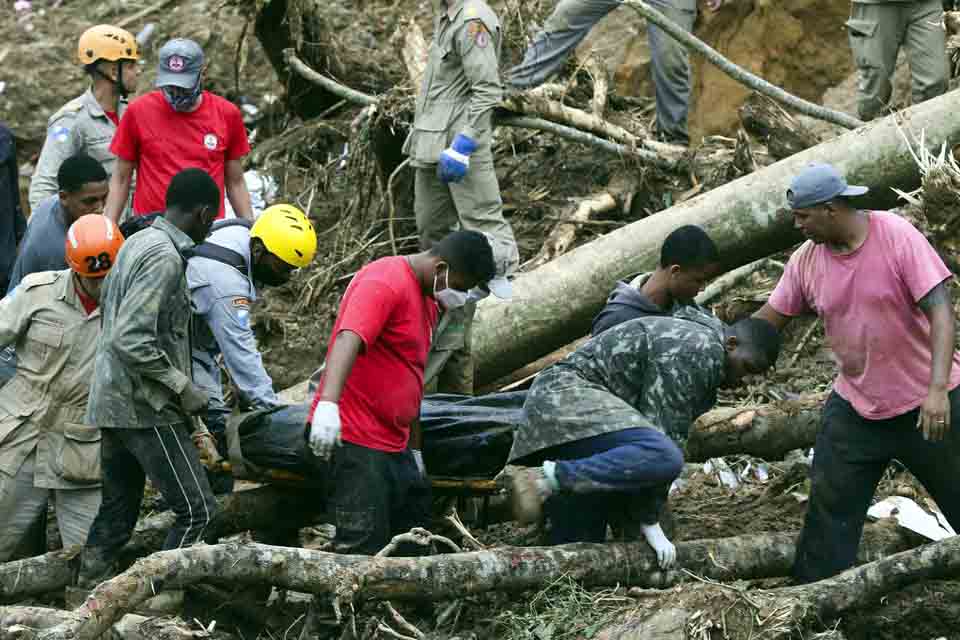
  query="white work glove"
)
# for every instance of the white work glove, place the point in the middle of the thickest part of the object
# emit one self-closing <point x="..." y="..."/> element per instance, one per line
<point x="325" y="429"/>
<point x="418" y="458"/>
<point x="657" y="539"/>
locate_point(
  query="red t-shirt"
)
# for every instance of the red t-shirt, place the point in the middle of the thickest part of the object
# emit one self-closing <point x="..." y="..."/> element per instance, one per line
<point x="868" y="302"/>
<point x="162" y="142"/>
<point x="89" y="304"/>
<point x="386" y="307"/>
<point x="114" y="118"/>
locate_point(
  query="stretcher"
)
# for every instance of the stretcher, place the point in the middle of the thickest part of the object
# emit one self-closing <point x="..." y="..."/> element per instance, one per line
<point x="466" y="442"/>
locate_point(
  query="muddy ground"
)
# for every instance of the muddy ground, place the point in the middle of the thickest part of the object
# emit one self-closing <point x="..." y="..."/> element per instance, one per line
<point x="540" y="177"/>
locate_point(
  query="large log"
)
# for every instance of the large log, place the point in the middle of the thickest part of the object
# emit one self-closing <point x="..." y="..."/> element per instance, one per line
<point x="766" y="431"/>
<point x="443" y="577"/>
<point x="553" y="305"/>
<point x="265" y="508"/>
<point x="789" y="612"/>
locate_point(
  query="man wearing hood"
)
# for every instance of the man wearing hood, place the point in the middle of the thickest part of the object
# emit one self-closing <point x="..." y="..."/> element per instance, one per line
<point x="688" y="260"/>
<point x="223" y="275"/>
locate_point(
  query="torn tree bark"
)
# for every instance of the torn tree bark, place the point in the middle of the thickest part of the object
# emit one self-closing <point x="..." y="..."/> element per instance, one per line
<point x="564" y="233"/>
<point x="553" y="305"/>
<point x="783" y="134"/>
<point x="435" y="577"/>
<point x="766" y="431"/>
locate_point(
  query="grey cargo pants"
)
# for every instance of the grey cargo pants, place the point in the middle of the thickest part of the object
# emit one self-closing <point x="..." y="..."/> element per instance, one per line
<point x="570" y="23"/>
<point x="877" y="31"/>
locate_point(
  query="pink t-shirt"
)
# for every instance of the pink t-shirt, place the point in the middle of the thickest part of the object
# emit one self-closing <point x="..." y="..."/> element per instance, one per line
<point x="868" y="302"/>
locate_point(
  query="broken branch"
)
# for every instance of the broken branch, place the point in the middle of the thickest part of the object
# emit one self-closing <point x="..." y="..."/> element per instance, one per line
<point x="740" y="74"/>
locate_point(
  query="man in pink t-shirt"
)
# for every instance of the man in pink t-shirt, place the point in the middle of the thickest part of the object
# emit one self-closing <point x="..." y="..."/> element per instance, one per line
<point x="882" y="293"/>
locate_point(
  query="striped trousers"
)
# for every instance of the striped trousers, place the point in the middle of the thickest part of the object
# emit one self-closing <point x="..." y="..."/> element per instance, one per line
<point x="164" y="454"/>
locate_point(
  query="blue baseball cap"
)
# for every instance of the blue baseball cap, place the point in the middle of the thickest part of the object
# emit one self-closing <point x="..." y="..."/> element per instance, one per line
<point x="819" y="183"/>
<point x="180" y="65"/>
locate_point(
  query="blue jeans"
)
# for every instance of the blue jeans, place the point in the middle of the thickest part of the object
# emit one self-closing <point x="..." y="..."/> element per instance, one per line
<point x="620" y="478"/>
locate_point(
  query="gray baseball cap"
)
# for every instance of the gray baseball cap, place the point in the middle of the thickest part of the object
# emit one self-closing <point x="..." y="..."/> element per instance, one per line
<point x="819" y="183"/>
<point x="181" y="62"/>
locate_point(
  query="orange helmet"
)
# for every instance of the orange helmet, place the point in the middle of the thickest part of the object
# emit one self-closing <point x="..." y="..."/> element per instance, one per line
<point x="105" y="42"/>
<point x="93" y="242"/>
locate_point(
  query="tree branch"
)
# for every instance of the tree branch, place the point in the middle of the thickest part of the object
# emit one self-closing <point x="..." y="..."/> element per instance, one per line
<point x="740" y="74"/>
<point x="527" y="122"/>
<point x="437" y="577"/>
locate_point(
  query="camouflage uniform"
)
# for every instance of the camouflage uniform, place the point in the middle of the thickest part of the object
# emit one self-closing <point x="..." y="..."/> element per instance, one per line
<point x="655" y="372"/>
<point x="877" y="29"/>
<point x="461" y="87"/>
<point x="608" y="416"/>
<point x="141" y="368"/>
<point x="78" y="126"/>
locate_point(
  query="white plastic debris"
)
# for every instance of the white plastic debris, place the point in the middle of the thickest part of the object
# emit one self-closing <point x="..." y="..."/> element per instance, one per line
<point x="725" y="475"/>
<point x="911" y="516"/>
<point x="262" y="188"/>
<point x="21" y="6"/>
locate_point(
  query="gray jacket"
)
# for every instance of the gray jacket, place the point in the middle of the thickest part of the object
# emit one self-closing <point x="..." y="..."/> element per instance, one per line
<point x="43" y="247"/>
<point x="143" y="357"/>
<point x="79" y="125"/>
<point x="222" y="296"/>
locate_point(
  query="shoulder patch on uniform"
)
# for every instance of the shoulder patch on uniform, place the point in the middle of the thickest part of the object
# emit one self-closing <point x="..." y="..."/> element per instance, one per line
<point x="241" y="302"/>
<point x="477" y="32"/>
<point x="39" y="279"/>
<point x="60" y="133"/>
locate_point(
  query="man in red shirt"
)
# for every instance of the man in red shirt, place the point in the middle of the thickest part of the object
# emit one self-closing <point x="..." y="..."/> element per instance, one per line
<point x="176" y="127"/>
<point x="373" y="386"/>
<point x="883" y="295"/>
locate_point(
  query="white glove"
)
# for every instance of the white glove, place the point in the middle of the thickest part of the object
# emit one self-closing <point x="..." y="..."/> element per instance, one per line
<point x="325" y="429"/>
<point x="657" y="539"/>
<point x="418" y="458"/>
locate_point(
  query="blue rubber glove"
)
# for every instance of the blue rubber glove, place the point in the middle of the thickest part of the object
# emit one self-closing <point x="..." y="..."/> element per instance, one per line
<point x="455" y="161"/>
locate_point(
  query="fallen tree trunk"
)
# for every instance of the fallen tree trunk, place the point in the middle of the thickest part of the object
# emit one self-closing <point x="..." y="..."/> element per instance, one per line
<point x="783" y="134"/>
<point x="554" y="304"/>
<point x="791" y="612"/>
<point x="264" y="508"/>
<point x="436" y="577"/>
<point x="766" y="431"/>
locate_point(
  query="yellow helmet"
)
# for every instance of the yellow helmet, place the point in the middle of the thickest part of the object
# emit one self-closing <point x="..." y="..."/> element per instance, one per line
<point x="286" y="233"/>
<point x="105" y="42"/>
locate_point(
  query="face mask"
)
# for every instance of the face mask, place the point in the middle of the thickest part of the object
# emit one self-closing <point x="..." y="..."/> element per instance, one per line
<point x="266" y="276"/>
<point x="448" y="298"/>
<point x="182" y="102"/>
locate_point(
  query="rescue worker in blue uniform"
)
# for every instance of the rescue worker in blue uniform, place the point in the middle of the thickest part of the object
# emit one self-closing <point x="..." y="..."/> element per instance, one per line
<point x="223" y="275"/>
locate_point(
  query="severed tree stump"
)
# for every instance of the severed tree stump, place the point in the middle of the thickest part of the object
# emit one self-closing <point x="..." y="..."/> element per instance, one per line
<point x="783" y="134"/>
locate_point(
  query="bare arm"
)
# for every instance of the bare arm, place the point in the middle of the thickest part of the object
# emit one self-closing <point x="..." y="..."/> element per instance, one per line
<point x="935" y="411"/>
<point x="236" y="188"/>
<point x="771" y="315"/>
<point x="119" y="189"/>
<point x="346" y="348"/>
